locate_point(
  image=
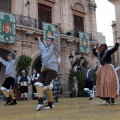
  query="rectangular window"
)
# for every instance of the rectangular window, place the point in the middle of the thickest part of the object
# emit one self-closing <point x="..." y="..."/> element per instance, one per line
<point x="44" y="14"/>
<point x="5" y="5"/>
<point x="78" y="25"/>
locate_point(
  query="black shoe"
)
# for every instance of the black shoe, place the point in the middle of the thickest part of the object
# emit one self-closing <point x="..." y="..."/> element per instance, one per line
<point x="35" y="98"/>
<point x="56" y="100"/>
<point x="49" y="106"/>
<point x="22" y="99"/>
<point x="40" y="104"/>
<point x="8" y="101"/>
<point x="90" y="98"/>
<point x="108" y="102"/>
<point x="26" y="99"/>
<point x="13" y="102"/>
<point x="113" y="101"/>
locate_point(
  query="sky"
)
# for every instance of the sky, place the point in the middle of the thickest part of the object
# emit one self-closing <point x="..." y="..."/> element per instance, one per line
<point x="105" y="14"/>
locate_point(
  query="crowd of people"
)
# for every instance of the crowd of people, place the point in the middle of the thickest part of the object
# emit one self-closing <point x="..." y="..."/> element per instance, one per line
<point x="107" y="84"/>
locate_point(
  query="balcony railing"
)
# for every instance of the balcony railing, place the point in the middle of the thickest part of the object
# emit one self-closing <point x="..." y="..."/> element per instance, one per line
<point x="34" y="23"/>
<point x="27" y="21"/>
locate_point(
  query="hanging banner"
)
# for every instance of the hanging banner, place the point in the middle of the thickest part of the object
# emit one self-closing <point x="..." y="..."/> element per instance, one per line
<point x="48" y="30"/>
<point x="7" y="27"/>
<point x="84" y="42"/>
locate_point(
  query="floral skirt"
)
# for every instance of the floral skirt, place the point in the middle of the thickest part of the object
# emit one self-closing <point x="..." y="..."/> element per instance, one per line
<point x="106" y="83"/>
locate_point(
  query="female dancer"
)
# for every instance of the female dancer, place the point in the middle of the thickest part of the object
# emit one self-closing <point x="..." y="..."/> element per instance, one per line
<point x="107" y="86"/>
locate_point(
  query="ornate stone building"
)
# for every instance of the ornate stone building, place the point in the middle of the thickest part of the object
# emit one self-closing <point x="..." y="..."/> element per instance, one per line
<point x="116" y="27"/>
<point x="74" y="16"/>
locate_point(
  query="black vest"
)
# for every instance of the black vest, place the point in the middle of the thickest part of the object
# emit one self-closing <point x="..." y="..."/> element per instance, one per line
<point x="24" y="78"/>
<point x="35" y="76"/>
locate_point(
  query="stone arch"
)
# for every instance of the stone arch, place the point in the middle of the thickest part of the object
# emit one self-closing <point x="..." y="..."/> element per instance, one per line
<point x="87" y="61"/>
<point x="78" y="6"/>
<point x="36" y="61"/>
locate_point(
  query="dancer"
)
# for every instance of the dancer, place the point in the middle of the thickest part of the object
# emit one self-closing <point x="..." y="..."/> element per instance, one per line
<point x="50" y="55"/>
<point x="34" y="77"/>
<point x="10" y="74"/>
<point x="56" y="89"/>
<point x="88" y="73"/>
<point x="24" y="80"/>
<point x="107" y="86"/>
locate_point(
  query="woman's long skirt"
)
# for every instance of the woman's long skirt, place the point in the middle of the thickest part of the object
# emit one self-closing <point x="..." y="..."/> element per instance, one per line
<point x="106" y="83"/>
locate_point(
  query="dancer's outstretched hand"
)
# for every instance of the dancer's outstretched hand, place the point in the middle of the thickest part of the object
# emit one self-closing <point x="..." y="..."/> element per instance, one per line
<point x="39" y="38"/>
<point x="118" y="41"/>
<point x="15" y="51"/>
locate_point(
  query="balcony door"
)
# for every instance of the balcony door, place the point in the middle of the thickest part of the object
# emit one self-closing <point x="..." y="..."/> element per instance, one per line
<point x="44" y="14"/>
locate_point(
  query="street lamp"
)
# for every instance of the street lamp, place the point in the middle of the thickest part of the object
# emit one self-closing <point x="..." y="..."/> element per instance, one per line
<point x="77" y="57"/>
<point x="79" y="61"/>
<point x="82" y="59"/>
<point x="71" y="58"/>
<point x="77" y="53"/>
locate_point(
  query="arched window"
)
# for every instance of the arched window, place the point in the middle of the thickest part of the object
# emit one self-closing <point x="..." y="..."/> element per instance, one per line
<point x="5" y="5"/>
<point x="78" y="17"/>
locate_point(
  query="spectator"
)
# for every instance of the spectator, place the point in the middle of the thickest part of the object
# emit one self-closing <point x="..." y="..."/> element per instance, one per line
<point x="24" y="80"/>
<point x="34" y="77"/>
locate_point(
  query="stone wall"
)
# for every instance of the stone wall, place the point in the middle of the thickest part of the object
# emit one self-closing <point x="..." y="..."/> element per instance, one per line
<point x="62" y="11"/>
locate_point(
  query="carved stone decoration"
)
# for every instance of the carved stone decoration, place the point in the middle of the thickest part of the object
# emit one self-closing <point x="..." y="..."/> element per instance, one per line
<point x="78" y="7"/>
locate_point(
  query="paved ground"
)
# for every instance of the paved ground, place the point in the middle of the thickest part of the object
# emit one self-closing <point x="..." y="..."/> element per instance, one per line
<point x="66" y="109"/>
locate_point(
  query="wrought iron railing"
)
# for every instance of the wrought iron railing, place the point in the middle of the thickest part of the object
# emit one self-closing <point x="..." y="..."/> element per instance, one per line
<point x="27" y="21"/>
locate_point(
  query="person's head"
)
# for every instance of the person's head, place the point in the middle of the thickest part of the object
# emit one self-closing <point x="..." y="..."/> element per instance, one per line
<point x="50" y="41"/>
<point x="89" y="66"/>
<point x="34" y="71"/>
<point x="10" y="56"/>
<point x="103" y="47"/>
<point x="23" y="72"/>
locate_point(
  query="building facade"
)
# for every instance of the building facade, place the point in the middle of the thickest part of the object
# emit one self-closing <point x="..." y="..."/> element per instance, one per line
<point x="116" y="27"/>
<point x="74" y="16"/>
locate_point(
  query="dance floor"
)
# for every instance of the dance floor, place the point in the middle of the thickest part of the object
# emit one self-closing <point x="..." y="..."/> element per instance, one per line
<point x="66" y="109"/>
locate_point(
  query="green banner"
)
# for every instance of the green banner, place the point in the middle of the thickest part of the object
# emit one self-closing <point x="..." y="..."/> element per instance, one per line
<point x="84" y="42"/>
<point x="48" y="30"/>
<point x="7" y="27"/>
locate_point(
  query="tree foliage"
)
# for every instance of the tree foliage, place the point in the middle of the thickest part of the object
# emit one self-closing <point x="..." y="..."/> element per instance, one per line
<point x="24" y="63"/>
<point x="71" y="81"/>
<point x="81" y="80"/>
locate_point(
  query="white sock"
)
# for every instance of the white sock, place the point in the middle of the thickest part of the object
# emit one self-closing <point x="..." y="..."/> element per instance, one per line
<point x="25" y="95"/>
<point x="22" y="95"/>
<point x="35" y="94"/>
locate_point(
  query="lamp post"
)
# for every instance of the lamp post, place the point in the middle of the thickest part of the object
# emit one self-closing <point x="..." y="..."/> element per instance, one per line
<point x="115" y="36"/>
<point x="82" y="59"/>
<point x="28" y="4"/>
<point x="78" y="58"/>
<point x="79" y="61"/>
<point x="77" y="53"/>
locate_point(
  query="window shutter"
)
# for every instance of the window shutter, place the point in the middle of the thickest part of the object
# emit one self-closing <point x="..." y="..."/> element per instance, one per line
<point x="5" y="5"/>
<point x="44" y="14"/>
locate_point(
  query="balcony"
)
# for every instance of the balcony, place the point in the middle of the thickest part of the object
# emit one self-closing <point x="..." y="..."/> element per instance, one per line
<point x="26" y="21"/>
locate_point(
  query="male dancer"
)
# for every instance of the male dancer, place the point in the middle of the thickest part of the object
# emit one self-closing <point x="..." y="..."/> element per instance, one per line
<point x="49" y="69"/>
<point x="10" y="74"/>
<point x="88" y="73"/>
<point x="34" y="77"/>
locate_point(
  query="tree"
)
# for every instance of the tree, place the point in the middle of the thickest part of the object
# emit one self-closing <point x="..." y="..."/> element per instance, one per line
<point x="71" y="82"/>
<point x="24" y="63"/>
<point x="81" y="81"/>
